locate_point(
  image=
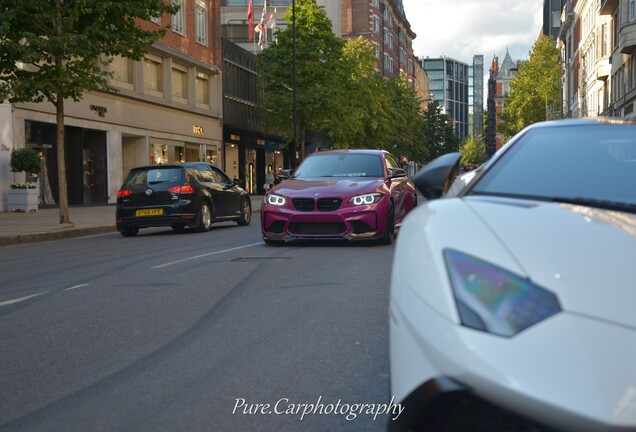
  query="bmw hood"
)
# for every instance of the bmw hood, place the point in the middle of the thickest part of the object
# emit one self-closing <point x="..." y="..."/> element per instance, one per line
<point x="327" y="187"/>
<point x="584" y="255"/>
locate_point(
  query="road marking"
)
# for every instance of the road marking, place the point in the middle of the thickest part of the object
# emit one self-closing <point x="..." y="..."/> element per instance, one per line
<point x="76" y="286"/>
<point x="18" y="300"/>
<point x="204" y="255"/>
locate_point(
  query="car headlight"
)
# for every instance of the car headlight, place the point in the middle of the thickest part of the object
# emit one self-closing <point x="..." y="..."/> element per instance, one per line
<point x="494" y="300"/>
<point x="275" y="200"/>
<point x="365" y="199"/>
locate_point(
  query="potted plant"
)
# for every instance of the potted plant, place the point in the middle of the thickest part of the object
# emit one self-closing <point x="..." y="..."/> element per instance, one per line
<point x="24" y="196"/>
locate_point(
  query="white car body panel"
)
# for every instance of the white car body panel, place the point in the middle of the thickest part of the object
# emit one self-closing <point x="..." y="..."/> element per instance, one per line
<point x="576" y="369"/>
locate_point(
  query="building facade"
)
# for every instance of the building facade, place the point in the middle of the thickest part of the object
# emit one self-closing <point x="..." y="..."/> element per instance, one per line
<point x="168" y="107"/>
<point x="598" y="43"/>
<point x="248" y="154"/>
<point x="476" y="97"/>
<point x="448" y="83"/>
<point x="498" y="86"/>
<point x="384" y="24"/>
<point x="552" y="17"/>
<point x="235" y="27"/>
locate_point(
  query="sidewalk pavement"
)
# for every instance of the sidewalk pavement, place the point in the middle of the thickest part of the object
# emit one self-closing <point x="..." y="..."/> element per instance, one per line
<point x="44" y="224"/>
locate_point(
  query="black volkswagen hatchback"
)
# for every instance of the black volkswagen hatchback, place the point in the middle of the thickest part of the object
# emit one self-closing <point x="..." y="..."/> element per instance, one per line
<point x="180" y="195"/>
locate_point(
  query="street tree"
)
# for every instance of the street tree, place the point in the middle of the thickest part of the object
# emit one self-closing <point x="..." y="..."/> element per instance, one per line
<point x="374" y="112"/>
<point x="439" y="135"/>
<point x="318" y="58"/>
<point x="405" y="121"/>
<point x="54" y="50"/>
<point x="534" y="94"/>
<point x="358" y="91"/>
<point x="473" y="151"/>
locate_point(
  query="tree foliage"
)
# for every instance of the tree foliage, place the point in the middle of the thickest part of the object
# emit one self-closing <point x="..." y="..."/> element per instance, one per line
<point x="339" y="93"/>
<point x="439" y="135"/>
<point x="534" y="94"/>
<point x="318" y="54"/>
<point x="53" y="50"/>
<point x="26" y="160"/>
<point x="473" y="151"/>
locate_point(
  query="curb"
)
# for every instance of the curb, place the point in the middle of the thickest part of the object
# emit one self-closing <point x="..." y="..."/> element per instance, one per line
<point x="47" y="236"/>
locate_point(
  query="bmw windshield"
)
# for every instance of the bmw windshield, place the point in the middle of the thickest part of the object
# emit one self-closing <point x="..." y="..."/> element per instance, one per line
<point x="340" y="165"/>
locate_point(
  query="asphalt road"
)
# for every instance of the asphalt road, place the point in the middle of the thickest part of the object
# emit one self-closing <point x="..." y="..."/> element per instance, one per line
<point x="193" y="332"/>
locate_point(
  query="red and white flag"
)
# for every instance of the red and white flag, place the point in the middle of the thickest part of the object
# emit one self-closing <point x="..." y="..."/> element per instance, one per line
<point x="260" y="28"/>
<point x="250" y="20"/>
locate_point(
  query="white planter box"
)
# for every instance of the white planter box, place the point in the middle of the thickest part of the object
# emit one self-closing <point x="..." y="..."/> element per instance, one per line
<point x="23" y="200"/>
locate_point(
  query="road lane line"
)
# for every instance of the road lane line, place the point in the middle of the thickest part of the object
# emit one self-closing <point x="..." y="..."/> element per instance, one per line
<point x="204" y="255"/>
<point x="76" y="286"/>
<point x="18" y="300"/>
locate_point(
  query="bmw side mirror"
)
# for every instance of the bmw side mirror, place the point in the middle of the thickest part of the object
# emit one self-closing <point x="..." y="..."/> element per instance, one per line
<point x="435" y="178"/>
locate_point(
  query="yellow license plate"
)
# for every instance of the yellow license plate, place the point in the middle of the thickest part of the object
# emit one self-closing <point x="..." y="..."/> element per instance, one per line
<point x="149" y="212"/>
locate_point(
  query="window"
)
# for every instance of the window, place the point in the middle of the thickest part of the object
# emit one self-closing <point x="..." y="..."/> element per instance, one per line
<point x="220" y="176"/>
<point x="376" y="24"/>
<point x="604" y="40"/>
<point x="388" y="63"/>
<point x="388" y="38"/>
<point x="376" y="50"/>
<point x="202" y="88"/>
<point x="631" y="10"/>
<point x="122" y="70"/>
<point x="178" y="19"/>
<point x="156" y="20"/>
<point x="153" y="69"/>
<point x="180" y="82"/>
<point x="201" y="15"/>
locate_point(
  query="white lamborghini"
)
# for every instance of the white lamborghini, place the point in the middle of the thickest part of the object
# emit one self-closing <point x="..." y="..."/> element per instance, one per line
<point x="513" y="299"/>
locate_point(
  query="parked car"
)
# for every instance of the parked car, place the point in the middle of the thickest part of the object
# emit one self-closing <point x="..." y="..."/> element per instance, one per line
<point x="340" y="194"/>
<point x="512" y="301"/>
<point x="179" y="195"/>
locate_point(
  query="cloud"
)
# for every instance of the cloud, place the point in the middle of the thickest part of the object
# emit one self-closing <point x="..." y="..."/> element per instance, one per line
<point x="461" y="29"/>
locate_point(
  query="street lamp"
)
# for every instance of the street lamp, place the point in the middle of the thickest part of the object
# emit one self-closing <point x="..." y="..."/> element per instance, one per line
<point x="293" y="146"/>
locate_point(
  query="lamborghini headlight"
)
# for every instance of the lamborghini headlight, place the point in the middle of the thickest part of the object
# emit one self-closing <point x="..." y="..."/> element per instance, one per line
<point x="495" y="300"/>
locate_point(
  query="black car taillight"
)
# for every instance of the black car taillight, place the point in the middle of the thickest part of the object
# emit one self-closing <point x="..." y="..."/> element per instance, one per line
<point x="122" y="193"/>
<point x="183" y="189"/>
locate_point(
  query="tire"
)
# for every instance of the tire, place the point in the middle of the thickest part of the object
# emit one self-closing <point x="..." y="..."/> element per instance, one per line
<point x="271" y="242"/>
<point x="389" y="229"/>
<point x="129" y="231"/>
<point x="246" y="213"/>
<point x="205" y="218"/>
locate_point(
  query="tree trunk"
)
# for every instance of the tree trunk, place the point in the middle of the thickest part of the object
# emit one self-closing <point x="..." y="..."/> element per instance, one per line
<point x="59" y="116"/>
<point x="61" y="161"/>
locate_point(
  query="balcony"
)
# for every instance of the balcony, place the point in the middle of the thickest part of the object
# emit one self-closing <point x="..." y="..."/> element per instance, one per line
<point x="627" y="38"/>
<point x="603" y="68"/>
<point x="608" y="7"/>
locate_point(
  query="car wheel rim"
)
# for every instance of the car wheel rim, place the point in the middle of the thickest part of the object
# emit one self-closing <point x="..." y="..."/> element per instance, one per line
<point x="206" y="218"/>
<point x="247" y="212"/>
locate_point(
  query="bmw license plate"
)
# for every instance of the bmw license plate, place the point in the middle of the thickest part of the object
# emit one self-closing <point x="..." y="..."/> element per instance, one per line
<point x="149" y="212"/>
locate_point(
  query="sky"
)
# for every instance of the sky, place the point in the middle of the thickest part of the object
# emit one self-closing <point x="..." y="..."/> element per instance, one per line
<point x="461" y="29"/>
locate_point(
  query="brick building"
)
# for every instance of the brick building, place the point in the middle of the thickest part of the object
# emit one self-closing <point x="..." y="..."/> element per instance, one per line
<point x="168" y="108"/>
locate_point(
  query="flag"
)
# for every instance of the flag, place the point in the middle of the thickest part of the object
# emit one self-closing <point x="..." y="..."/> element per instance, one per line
<point x="260" y="28"/>
<point x="272" y="17"/>
<point x="250" y="20"/>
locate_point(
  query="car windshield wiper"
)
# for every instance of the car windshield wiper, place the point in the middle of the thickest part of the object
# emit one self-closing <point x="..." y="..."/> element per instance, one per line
<point x="599" y="203"/>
